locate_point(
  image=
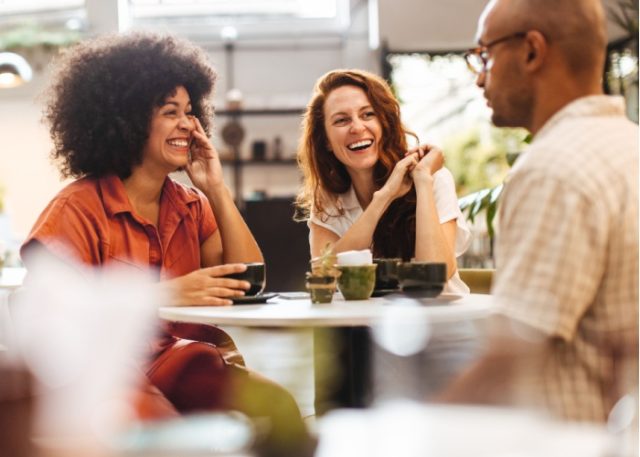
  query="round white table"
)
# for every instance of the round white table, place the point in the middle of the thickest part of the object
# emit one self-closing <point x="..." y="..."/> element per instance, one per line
<point x="342" y="336"/>
<point x="279" y="312"/>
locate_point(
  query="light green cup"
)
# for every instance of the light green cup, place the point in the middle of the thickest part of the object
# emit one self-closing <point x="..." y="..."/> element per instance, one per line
<point x="357" y="281"/>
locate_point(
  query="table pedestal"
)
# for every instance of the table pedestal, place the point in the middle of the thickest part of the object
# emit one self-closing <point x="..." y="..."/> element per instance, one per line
<point x="343" y="368"/>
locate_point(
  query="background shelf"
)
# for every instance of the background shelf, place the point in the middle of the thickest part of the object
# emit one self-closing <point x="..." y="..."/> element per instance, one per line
<point x="260" y="112"/>
<point x="245" y="162"/>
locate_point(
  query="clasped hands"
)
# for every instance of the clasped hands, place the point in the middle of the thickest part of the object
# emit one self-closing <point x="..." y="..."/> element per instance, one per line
<point x="416" y="167"/>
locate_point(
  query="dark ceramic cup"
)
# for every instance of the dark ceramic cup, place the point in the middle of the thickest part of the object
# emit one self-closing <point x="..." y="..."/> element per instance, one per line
<point x="255" y="274"/>
<point x="426" y="279"/>
<point x="386" y="273"/>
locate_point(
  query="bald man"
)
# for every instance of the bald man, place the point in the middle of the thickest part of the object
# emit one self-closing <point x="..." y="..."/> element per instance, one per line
<point x="566" y="284"/>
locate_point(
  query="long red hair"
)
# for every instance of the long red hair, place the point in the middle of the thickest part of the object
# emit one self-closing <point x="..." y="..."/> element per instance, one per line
<point x="325" y="176"/>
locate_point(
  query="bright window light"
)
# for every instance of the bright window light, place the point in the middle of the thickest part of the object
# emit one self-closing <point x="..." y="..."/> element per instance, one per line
<point x="292" y="8"/>
<point x="204" y="19"/>
<point x="28" y="6"/>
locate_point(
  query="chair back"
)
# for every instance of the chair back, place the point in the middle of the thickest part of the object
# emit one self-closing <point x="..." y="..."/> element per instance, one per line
<point x="478" y="279"/>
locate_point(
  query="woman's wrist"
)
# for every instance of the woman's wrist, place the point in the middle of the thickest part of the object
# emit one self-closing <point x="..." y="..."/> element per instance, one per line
<point x="382" y="198"/>
<point x="168" y="291"/>
<point x="423" y="183"/>
<point x="217" y="191"/>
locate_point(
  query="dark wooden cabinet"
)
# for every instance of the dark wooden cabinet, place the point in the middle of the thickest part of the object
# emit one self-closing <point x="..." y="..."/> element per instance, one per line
<point x="284" y="242"/>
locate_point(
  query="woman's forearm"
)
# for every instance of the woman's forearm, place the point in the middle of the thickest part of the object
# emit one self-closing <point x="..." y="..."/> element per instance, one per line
<point x="238" y="243"/>
<point x="432" y="244"/>
<point x="360" y="234"/>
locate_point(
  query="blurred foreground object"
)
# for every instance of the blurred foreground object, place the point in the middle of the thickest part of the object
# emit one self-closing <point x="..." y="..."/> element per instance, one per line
<point x="405" y="429"/>
<point x="16" y="409"/>
<point x="230" y="434"/>
<point x="79" y="332"/>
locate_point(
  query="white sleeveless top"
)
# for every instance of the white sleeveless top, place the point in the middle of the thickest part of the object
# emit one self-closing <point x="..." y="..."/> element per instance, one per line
<point x="444" y="192"/>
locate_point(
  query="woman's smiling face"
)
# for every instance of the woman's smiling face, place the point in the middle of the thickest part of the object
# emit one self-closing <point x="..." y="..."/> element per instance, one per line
<point x="170" y="133"/>
<point x="352" y="127"/>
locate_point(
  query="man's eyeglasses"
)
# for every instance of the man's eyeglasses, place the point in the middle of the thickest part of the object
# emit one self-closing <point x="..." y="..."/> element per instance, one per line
<point x="478" y="58"/>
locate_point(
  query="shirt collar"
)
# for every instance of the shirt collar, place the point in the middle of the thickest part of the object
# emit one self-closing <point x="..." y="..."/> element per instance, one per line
<point x="592" y="105"/>
<point x="116" y="200"/>
<point x="114" y="196"/>
<point x="348" y="200"/>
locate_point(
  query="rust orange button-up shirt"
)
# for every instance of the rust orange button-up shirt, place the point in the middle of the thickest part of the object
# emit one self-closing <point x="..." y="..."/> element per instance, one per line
<point x="93" y="221"/>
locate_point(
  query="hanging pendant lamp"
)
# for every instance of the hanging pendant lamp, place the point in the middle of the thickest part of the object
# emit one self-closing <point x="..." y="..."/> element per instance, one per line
<point x="14" y="70"/>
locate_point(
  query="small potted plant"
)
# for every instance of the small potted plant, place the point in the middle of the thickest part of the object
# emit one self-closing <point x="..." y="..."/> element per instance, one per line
<point x="321" y="280"/>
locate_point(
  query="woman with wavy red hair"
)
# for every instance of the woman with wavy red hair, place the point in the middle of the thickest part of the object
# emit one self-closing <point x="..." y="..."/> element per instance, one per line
<point x="364" y="188"/>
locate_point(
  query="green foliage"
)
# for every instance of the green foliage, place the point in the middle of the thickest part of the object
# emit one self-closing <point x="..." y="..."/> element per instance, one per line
<point x="503" y="149"/>
<point x="479" y="157"/>
<point x="485" y="199"/>
<point x="32" y="36"/>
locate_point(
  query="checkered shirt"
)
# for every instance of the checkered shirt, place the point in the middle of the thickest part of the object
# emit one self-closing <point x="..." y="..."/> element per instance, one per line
<point x="567" y="252"/>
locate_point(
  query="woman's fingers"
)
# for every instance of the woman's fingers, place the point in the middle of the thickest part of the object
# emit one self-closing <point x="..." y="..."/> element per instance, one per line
<point x="199" y="127"/>
<point x="228" y="283"/>
<point x="213" y="301"/>
<point x="215" y="276"/>
<point x="402" y="168"/>
<point x="222" y="291"/>
<point x="423" y="150"/>
<point x="407" y="161"/>
<point x="419" y="151"/>
<point x="202" y="144"/>
<point x="223" y="270"/>
<point x="428" y="157"/>
<point x="210" y="286"/>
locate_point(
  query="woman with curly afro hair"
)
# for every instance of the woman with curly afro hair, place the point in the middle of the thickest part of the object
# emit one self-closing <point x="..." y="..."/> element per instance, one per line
<point x="124" y="112"/>
<point x="364" y="188"/>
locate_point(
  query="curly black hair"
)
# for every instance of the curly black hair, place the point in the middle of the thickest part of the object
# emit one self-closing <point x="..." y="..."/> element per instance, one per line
<point x="103" y="94"/>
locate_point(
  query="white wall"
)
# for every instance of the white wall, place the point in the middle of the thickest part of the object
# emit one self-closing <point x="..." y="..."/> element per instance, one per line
<point x="26" y="175"/>
<point x="418" y="25"/>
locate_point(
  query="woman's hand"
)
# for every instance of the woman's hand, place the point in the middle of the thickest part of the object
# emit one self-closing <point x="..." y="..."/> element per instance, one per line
<point x="204" y="167"/>
<point x="399" y="183"/>
<point x="207" y="286"/>
<point x="430" y="160"/>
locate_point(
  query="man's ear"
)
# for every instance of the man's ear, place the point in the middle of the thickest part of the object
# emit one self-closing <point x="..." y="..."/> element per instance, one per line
<point x="536" y="47"/>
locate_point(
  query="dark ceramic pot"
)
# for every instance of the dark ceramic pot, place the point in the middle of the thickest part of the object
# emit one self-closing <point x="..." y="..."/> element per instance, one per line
<point x="386" y="273"/>
<point x="426" y="279"/>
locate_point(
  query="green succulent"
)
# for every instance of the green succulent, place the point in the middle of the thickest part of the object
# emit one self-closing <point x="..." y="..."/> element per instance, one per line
<point x="325" y="263"/>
